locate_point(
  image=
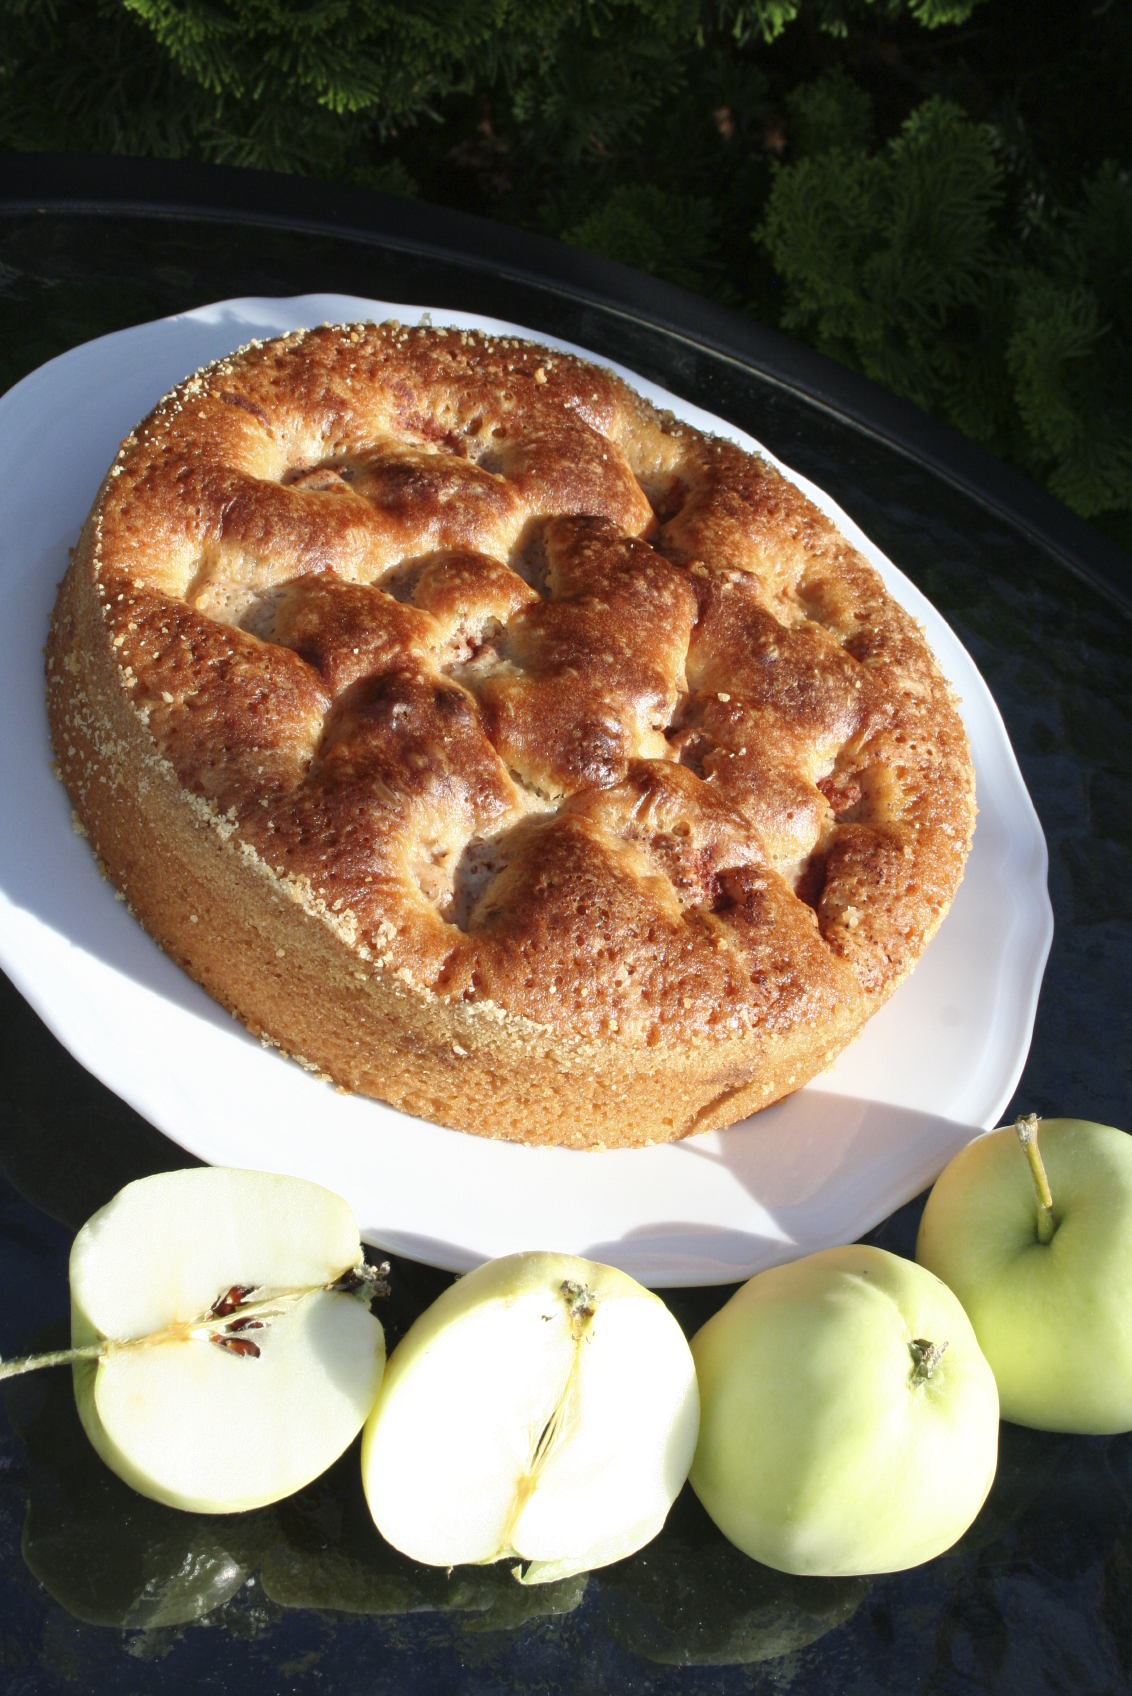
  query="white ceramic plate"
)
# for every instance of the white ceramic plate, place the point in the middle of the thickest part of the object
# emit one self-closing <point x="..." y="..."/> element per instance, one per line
<point x="935" y="1066"/>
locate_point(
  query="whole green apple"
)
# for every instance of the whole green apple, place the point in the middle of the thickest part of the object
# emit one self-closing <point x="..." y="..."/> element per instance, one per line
<point x="1044" y="1274"/>
<point x="849" y="1423"/>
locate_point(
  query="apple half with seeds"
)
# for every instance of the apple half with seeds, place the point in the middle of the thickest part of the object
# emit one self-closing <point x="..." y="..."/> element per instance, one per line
<point x="223" y="1347"/>
<point x="544" y="1409"/>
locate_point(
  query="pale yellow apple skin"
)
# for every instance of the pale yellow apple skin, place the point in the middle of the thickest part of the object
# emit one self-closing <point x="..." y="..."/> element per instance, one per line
<point x="818" y="1451"/>
<point x="1054" y="1319"/>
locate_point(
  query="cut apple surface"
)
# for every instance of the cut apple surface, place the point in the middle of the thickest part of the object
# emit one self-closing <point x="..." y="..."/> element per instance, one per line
<point x="227" y="1371"/>
<point x="544" y="1409"/>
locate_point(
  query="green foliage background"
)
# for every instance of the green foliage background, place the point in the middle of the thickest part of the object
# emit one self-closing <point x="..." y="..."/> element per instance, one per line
<point x="936" y="192"/>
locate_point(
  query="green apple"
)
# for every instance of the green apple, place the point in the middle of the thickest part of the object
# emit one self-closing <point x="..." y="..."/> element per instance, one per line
<point x="1037" y="1245"/>
<point x="849" y="1420"/>
<point x="223" y="1347"/>
<point x="543" y="1409"/>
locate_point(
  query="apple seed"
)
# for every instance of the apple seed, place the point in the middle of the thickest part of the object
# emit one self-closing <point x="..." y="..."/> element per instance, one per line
<point x="363" y="1282"/>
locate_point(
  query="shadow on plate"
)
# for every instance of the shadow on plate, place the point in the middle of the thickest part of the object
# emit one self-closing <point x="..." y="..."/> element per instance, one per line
<point x="846" y="1165"/>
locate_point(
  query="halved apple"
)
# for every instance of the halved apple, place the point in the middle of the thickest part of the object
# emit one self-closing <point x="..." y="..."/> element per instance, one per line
<point x="544" y="1409"/>
<point x="229" y="1360"/>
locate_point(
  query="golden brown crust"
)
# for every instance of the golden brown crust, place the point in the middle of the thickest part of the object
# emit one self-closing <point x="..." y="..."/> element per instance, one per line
<point x="497" y="745"/>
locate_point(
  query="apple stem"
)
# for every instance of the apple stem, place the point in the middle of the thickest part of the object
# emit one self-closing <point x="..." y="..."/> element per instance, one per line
<point x="926" y="1357"/>
<point x="60" y="1357"/>
<point x="579" y="1305"/>
<point x="1027" y="1128"/>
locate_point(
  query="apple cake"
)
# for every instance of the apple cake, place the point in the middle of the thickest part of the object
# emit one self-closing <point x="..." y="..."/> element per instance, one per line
<point x="497" y="745"/>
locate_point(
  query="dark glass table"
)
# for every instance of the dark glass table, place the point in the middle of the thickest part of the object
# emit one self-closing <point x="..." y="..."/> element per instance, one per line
<point x="103" y="1591"/>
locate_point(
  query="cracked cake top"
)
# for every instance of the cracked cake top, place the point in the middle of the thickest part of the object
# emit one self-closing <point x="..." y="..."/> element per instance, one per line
<point x="544" y="699"/>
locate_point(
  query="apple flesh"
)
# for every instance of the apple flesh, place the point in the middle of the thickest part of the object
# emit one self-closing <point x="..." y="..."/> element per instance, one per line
<point x="544" y="1409"/>
<point x="1054" y="1318"/>
<point x="849" y="1421"/>
<point x="224" y="1371"/>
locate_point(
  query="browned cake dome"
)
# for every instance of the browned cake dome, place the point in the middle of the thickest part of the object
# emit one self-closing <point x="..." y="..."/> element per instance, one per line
<point x="497" y="745"/>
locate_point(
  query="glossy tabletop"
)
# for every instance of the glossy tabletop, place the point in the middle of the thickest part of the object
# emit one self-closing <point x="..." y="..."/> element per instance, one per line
<point x="103" y="1591"/>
